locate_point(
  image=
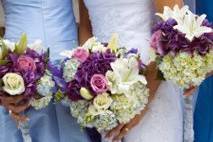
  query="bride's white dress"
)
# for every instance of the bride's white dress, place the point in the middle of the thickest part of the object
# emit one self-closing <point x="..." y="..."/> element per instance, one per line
<point x="132" y="20"/>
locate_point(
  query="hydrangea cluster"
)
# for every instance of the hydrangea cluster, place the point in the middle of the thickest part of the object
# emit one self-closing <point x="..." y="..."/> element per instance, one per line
<point x="183" y="45"/>
<point x="186" y="70"/>
<point x="46" y="85"/>
<point x="107" y="87"/>
<point x="70" y="69"/>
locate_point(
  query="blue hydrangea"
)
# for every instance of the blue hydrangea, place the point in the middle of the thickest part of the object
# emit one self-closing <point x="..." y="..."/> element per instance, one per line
<point x="70" y="69"/>
<point x="45" y="85"/>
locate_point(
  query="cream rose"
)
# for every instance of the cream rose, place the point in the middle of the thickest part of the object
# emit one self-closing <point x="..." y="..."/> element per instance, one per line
<point x="102" y="101"/>
<point x="13" y="84"/>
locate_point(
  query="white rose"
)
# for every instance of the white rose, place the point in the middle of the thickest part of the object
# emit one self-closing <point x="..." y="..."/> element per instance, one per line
<point x="13" y="84"/>
<point x="102" y="101"/>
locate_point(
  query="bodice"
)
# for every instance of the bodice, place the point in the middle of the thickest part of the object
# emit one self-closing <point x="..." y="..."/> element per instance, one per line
<point x="130" y="19"/>
<point x="52" y="21"/>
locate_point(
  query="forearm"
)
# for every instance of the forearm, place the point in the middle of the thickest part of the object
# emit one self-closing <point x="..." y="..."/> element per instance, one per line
<point x="84" y="34"/>
<point x="153" y="85"/>
<point x="210" y="74"/>
<point x="159" y="4"/>
<point x="85" y="30"/>
<point x="153" y="82"/>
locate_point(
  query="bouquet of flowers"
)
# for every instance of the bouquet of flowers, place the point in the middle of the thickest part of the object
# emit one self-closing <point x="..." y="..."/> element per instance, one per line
<point x="23" y="71"/>
<point x="105" y="84"/>
<point x="183" y="46"/>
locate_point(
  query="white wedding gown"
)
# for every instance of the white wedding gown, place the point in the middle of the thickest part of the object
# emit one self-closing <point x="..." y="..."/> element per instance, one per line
<point x="132" y="20"/>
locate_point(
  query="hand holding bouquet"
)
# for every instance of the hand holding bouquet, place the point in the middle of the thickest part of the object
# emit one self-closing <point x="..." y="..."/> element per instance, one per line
<point x="183" y="46"/>
<point x="105" y="85"/>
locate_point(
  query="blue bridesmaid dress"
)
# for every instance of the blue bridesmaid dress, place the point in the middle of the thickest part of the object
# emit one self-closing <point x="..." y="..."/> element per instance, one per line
<point x="203" y="117"/>
<point x="53" y="22"/>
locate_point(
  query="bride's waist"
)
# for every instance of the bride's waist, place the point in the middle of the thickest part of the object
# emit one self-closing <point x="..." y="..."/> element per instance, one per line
<point x="106" y="4"/>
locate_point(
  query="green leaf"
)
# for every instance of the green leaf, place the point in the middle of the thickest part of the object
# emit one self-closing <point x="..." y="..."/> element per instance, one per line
<point x="4" y="50"/>
<point x="4" y="62"/>
<point x="47" y="54"/>
<point x="22" y="46"/>
<point x="158" y="60"/>
<point x="59" y="96"/>
<point x="1" y="83"/>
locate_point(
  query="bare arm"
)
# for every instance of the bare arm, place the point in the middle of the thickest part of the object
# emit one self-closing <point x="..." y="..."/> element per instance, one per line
<point x="85" y="30"/>
<point x="159" y="4"/>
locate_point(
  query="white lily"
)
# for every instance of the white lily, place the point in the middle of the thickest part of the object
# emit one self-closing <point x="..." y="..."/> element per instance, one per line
<point x="114" y="42"/>
<point x="67" y="53"/>
<point x="192" y="26"/>
<point x="94" y="45"/>
<point x="175" y="13"/>
<point x="10" y="45"/>
<point x="37" y="45"/>
<point x="125" y="74"/>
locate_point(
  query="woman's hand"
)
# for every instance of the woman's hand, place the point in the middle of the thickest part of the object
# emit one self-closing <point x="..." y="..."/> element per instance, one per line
<point x="15" y="105"/>
<point x="190" y="91"/>
<point x="121" y="130"/>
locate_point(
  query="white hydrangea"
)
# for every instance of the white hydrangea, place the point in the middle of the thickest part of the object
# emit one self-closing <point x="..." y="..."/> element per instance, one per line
<point x="41" y="103"/>
<point x="186" y="70"/>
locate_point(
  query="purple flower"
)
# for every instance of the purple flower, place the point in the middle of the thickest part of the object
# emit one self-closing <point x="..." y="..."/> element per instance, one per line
<point x="73" y="91"/>
<point x="156" y="42"/>
<point x="133" y="51"/>
<point x="207" y="23"/>
<point x="96" y="63"/>
<point x="3" y="70"/>
<point x="203" y="44"/>
<point x="164" y="26"/>
<point x="99" y="83"/>
<point x="173" y="41"/>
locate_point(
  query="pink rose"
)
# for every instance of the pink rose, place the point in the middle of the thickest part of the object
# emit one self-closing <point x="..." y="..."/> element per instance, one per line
<point x="98" y="83"/>
<point x="26" y="63"/>
<point x="156" y="42"/>
<point x="80" y="54"/>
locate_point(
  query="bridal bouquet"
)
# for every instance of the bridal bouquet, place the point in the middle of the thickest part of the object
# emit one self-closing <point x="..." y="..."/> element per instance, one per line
<point x="105" y="84"/>
<point x="23" y="71"/>
<point x="183" y="46"/>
